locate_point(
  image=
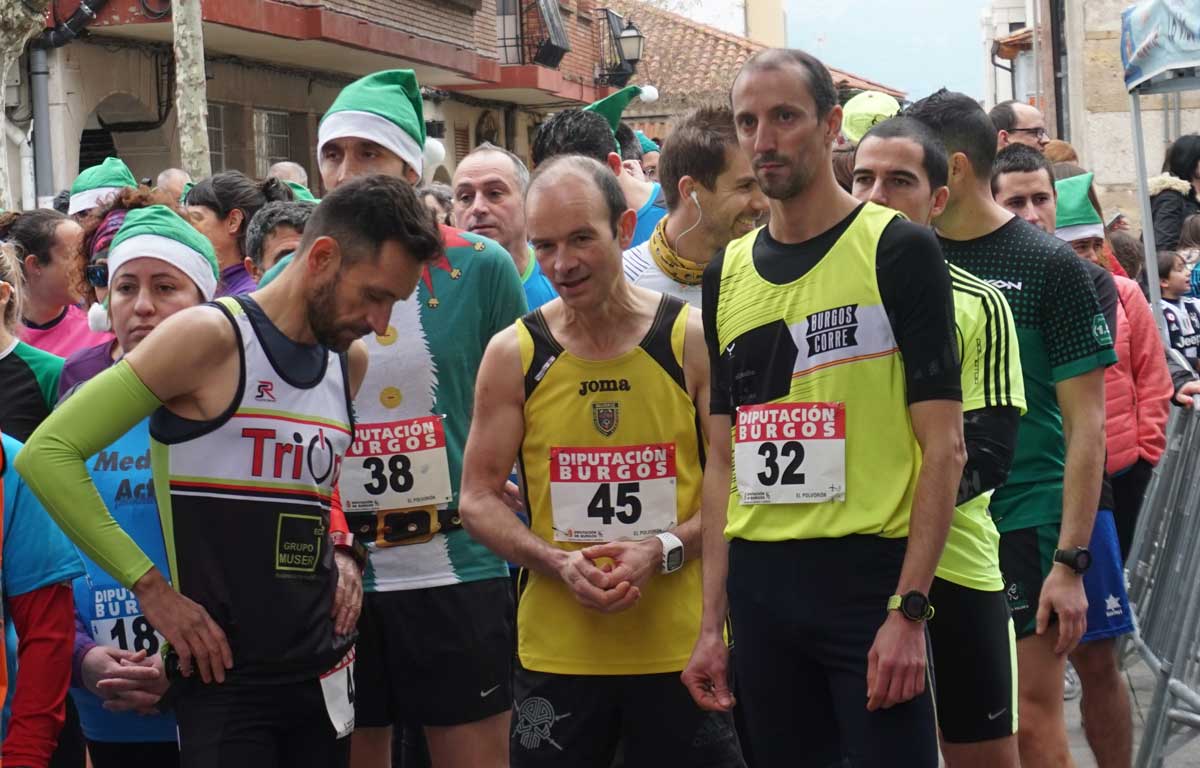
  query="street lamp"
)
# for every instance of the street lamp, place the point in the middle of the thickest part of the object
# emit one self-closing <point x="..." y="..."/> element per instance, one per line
<point x="630" y="42"/>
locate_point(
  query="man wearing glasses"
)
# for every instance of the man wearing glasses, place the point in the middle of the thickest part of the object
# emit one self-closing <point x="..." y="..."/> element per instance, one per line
<point x="1019" y="123"/>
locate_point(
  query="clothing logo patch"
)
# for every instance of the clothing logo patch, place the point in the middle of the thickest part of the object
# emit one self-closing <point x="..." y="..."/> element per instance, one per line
<point x="603" y="385"/>
<point x="535" y="718"/>
<point x="1006" y="285"/>
<point x="266" y="391"/>
<point x="1100" y="331"/>
<point x="298" y="541"/>
<point x="1112" y="606"/>
<point x="832" y="329"/>
<point x="1016" y="597"/>
<point x="605" y="417"/>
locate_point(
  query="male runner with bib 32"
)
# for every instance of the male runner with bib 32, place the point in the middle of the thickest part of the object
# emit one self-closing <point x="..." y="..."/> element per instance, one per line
<point x="836" y="390"/>
<point x="250" y="413"/>
<point x="600" y="395"/>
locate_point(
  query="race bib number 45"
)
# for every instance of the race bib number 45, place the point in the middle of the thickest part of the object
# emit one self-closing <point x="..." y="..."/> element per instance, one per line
<point x="605" y="494"/>
<point x="396" y="465"/>
<point x="790" y="453"/>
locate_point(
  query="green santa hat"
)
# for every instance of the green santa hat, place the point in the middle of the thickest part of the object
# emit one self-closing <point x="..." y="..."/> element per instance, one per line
<point x="648" y="144"/>
<point x="384" y="107"/>
<point x="157" y="232"/>
<point x="100" y="183"/>
<point x="1077" y="218"/>
<point x="301" y="192"/>
<point x="612" y="105"/>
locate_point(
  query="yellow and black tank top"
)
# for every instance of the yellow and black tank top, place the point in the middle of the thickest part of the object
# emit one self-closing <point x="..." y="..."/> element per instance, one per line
<point x="612" y="450"/>
<point x="819" y="385"/>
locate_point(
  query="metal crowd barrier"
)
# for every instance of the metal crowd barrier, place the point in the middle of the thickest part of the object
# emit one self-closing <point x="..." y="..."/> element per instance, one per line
<point x="1163" y="572"/>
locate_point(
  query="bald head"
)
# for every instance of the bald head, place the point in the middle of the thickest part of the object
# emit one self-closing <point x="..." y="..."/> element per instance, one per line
<point x="286" y="170"/>
<point x="172" y="181"/>
<point x="593" y="174"/>
<point x="1019" y="123"/>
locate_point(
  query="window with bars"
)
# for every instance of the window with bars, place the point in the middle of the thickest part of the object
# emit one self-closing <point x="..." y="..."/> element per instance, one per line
<point x="216" y="136"/>
<point x="272" y="140"/>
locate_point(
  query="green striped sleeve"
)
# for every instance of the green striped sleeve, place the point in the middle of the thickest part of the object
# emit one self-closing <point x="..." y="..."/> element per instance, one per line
<point x="991" y="361"/>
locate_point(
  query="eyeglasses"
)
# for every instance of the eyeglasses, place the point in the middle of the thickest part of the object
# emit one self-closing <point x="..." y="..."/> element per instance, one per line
<point x="97" y="275"/>
<point x="1040" y="133"/>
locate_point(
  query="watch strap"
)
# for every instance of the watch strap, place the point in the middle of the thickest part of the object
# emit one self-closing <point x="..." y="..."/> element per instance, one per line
<point x="351" y="546"/>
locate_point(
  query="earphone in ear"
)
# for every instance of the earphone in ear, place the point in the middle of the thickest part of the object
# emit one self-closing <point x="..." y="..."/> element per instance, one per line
<point x="694" y="199"/>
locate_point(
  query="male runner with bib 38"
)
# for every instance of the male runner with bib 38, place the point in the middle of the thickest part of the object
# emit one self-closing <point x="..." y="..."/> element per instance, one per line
<point x="600" y="394"/>
<point x="250" y="416"/>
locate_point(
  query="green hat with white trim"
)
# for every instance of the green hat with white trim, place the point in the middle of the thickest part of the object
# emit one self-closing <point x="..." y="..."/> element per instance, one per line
<point x="1077" y="218"/>
<point x="157" y="232"/>
<point x="301" y="192"/>
<point x="100" y="183"/>
<point x="383" y="107"/>
<point x="612" y="105"/>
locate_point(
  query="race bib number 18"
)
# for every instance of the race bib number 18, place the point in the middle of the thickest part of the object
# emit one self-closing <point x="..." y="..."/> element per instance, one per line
<point x="396" y="465"/>
<point x="790" y="453"/>
<point x="605" y="494"/>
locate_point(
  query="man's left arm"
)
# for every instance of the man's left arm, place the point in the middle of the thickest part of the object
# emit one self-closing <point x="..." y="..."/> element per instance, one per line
<point x="914" y="284"/>
<point x="1081" y="400"/>
<point x="347" y="599"/>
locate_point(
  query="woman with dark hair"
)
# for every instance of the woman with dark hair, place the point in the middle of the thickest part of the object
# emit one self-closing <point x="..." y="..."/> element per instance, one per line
<point x="101" y="228"/>
<point x="1173" y="194"/>
<point x="221" y="207"/>
<point x="51" y="259"/>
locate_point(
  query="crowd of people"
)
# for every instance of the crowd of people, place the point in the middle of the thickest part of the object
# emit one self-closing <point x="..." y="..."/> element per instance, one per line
<point x="815" y="435"/>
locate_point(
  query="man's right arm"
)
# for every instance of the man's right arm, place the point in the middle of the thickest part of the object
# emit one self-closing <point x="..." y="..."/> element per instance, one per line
<point x="170" y="366"/>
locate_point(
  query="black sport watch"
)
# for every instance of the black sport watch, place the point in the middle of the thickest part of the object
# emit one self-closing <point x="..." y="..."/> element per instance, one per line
<point x="1078" y="559"/>
<point x="913" y="605"/>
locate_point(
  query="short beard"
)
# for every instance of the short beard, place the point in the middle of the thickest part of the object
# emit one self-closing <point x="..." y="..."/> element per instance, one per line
<point x="322" y="307"/>
<point x="787" y="188"/>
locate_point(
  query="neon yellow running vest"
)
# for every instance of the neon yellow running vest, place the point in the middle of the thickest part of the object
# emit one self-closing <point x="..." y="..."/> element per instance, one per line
<point x="860" y="367"/>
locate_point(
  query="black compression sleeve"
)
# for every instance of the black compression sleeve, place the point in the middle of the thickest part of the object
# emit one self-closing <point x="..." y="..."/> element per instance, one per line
<point x="915" y="286"/>
<point x="991" y="438"/>
<point x="710" y="289"/>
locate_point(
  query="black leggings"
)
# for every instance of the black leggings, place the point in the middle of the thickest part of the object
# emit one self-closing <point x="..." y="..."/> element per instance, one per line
<point x="143" y="754"/>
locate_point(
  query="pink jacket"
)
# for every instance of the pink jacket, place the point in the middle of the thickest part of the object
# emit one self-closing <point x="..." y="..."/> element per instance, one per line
<point x="1137" y="390"/>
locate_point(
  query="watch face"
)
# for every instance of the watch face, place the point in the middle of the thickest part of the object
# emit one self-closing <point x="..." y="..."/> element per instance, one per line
<point x="1083" y="560"/>
<point x="675" y="558"/>
<point x="915" y="605"/>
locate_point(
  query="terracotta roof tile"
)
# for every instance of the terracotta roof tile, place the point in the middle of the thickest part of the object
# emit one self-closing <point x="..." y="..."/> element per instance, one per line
<point x="692" y="63"/>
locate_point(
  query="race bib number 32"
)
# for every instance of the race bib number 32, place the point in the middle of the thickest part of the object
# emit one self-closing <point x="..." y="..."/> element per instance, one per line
<point x="790" y="453"/>
<point x="396" y="465"/>
<point x="605" y="494"/>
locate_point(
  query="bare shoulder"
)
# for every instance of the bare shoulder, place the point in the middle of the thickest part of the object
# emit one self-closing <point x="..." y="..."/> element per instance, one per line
<point x="191" y="336"/>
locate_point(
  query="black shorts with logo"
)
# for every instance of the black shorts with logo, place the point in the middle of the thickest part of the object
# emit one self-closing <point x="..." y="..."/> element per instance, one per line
<point x="974" y="662"/>
<point x="1026" y="557"/>
<point x="579" y="720"/>
<point x="438" y="656"/>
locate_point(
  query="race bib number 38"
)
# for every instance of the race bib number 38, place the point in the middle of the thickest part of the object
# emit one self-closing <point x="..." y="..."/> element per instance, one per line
<point x="396" y="465"/>
<point x="605" y="494"/>
<point x="790" y="453"/>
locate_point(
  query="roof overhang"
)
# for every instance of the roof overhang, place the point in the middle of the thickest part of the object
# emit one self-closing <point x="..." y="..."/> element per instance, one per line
<point x="535" y="86"/>
<point x="311" y="37"/>
<point x="1012" y="46"/>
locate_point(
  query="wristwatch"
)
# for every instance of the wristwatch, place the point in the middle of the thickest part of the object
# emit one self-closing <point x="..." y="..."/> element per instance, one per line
<point x="913" y="605"/>
<point x="672" y="554"/>
<point x="351" y="546"/>
<point x="1078" y="559"/>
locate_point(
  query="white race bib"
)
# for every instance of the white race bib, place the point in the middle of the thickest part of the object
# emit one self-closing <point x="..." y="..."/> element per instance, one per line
<point x="396" y="465"/>
<point x="337" y="685"/>
<point x="605" y="494"/>
<point x="129" y="633"/>
<point x="790" y="453"/>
